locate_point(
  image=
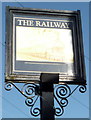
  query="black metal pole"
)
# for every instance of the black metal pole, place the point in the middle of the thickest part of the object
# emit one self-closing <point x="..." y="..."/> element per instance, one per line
<point x="47" y="102"/>
<point x="47" y="98"/>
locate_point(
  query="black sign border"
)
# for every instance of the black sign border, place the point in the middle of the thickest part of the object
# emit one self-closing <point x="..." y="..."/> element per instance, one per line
<point x="79" y="78"/>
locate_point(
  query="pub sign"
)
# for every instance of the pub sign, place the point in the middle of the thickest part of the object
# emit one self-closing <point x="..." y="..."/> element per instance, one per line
<point x="44" y="41"/>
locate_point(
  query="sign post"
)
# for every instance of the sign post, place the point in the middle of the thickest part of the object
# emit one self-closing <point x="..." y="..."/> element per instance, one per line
<point x="43" y="48"/>
<point x="47" y="95"/>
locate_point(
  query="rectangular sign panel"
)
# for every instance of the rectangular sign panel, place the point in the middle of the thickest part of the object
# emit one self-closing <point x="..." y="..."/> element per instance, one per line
<point x="42" y="42"/>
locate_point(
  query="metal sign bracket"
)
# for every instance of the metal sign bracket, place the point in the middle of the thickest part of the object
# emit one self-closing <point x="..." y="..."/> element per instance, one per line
<point x="33" y="94"/>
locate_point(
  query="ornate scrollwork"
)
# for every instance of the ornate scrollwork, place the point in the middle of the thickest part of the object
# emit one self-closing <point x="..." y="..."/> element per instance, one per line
<point x="8" y="86"/>
<point x="63" y="91"/>
<point x="64" y="102"/>
<point x="29" y="102"/>
<point x="35" y="111"/>
<point x="28" y="90"/>
<point x="82" y="88"/>
<point x="59" y="111"/>
<point x="61" y="94"/>
<point x="31" y="92"/>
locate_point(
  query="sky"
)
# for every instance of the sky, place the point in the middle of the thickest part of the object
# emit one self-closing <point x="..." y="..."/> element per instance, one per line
<point x="13" y="105"/>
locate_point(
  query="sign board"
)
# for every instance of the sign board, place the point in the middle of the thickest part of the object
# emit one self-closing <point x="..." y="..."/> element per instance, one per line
<point x="44" y="41"/>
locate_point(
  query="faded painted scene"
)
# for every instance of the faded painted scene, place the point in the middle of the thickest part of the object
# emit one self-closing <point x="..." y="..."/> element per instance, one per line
<point x="44" y="44"/>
